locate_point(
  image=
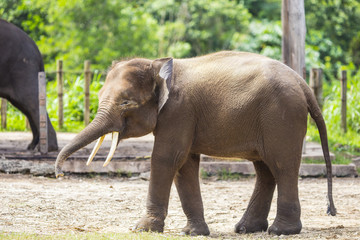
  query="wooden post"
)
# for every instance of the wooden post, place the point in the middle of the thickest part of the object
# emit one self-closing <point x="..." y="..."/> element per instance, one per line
<point x="294" y="31"/>
<point x="60" y="89"/>
<point x="343" y="100"/>
<point x="43" y="114"/>
<point x="87" y="76"/>
<point x="293" y="39"/>
<point x="316" y="84"/>
<point x="3" y="113"/>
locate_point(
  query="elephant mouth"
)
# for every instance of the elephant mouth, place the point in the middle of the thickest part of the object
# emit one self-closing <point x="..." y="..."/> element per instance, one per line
<point x="114" y="143"/>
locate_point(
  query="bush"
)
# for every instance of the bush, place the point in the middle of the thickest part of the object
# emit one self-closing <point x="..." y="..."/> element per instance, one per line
<point x="347" y="143"/>
<point x="73" y="100"/>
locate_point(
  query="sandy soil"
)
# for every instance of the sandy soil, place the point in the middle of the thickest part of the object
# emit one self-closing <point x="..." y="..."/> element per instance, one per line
<point x="73" y="204"/>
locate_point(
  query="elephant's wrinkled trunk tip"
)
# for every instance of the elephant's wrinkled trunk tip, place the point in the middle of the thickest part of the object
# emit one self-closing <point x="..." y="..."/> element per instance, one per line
<point x="58" y="165"/>
<point x="58" y="172"/>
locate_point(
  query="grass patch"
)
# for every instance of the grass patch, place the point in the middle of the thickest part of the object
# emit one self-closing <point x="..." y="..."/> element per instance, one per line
<point x="344" y="145"/>
<point x="223" y="174"/>
<point x="339" y="159"/>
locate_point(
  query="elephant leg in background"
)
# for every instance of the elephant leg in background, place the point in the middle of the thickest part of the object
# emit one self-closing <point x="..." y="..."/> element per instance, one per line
<point x="188" y="187"/>
<point x="35" y="128"/>
<point x="255" y="216"/>
<point x="31" y="114"/>
<point x="28" y="103"/>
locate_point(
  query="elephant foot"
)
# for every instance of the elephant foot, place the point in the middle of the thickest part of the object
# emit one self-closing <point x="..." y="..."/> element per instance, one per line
<point x="195" y="228"/>
<point x="31" y="146"/>
<point x="149" y="224"/>
<point x="285" y="228"/>
<point x="251" y="226"/>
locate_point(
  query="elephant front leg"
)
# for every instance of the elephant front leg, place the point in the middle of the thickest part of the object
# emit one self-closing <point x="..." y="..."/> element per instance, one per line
<point x="188" y="187"/>
<point x="165" y="162"/>
<point x="255" y="216"/>
<point x="161" y="178"/>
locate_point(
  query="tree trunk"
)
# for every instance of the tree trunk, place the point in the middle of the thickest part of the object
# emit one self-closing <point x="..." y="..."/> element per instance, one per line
<point x="294" y="31"/>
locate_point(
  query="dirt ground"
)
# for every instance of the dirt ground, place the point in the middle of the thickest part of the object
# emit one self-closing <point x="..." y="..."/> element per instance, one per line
<point x="75" y="204"/>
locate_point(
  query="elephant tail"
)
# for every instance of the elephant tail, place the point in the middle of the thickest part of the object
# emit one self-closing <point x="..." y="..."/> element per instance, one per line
<point x="315" y="113"/>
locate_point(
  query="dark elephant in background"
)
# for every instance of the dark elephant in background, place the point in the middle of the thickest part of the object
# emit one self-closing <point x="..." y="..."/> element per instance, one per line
<point x="20" y="62"/>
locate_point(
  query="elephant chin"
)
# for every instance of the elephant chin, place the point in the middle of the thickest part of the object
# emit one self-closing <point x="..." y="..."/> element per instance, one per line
<point x="95" y="130"/>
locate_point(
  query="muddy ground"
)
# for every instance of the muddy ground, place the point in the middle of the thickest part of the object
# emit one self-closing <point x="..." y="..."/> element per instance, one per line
<point x="76" y="204"/>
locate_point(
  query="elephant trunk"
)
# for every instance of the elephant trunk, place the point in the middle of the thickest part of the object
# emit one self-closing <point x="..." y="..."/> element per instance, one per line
<point x="96" y="129"/>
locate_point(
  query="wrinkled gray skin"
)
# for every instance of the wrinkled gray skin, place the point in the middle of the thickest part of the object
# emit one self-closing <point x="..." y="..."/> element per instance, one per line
<point x="20" y="62"/>
<point x="227" y="104"/>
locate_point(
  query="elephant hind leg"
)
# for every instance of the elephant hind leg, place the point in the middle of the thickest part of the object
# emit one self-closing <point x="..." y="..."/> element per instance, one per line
<point x="52" y="139"/>
<point x="188" y="187"/>
<point x="35" y="131"/>
<point x="284" y="163"/>
<point x="288" y="213"/>
<point x="255" y="216"/>
<point x="32" y="115"/>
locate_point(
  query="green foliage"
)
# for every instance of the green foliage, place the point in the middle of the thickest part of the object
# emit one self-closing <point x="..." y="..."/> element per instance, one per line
<point x="15" y="120"/>
<point x="332" y="103"/>
<point x="73" y="104"/>
<point x="331" y="26"/>
<point x="355" y="50"/>
<point x="204" y="174"/>
<point x="339" y="159"/>
<point x="264" y="37"/>
<point x="196" y="27"/>
<point x="75" y="31"/>
<point x="226" y="175"/>
<point x="73" y="100"/>
<point x="343" y="144"/>
<point x="264" y="9"/>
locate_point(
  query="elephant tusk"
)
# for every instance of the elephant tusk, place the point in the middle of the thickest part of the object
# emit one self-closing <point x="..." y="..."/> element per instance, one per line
<point x="115" y="137"/>
<point x="94" y="151"/>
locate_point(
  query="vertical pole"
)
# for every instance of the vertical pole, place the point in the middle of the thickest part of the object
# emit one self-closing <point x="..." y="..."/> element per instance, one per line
<point x="3" y="113"/>
<point x="293" y="39"/>
<point x="294" y="31"/>
<point x="343" y="100"/>
<point x="60" y="89"/>
<point x="87" y="75"/>
<point x="316" y="84"/>
<point x="43" y="114"/>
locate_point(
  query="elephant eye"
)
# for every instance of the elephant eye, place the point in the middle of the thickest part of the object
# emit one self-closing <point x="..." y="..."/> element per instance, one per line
<point x="125" y="103"/>
<point x="128" y="103"/>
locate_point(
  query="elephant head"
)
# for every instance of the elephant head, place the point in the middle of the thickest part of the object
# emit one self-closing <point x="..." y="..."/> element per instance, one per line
<point x="133" y="94"/>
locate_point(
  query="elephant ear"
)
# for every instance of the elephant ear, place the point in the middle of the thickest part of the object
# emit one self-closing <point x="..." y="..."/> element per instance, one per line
<point x="163" y="75"/>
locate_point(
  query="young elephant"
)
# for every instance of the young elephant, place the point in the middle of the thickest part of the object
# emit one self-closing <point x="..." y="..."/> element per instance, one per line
<point x="226" y="104"/>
